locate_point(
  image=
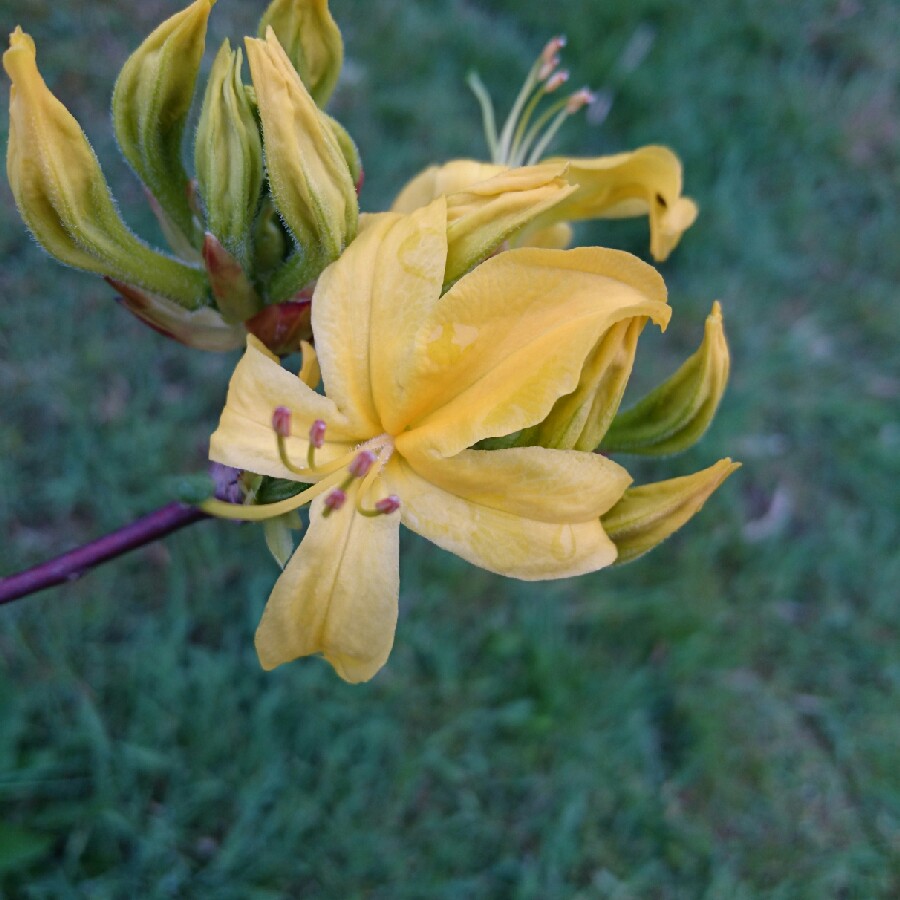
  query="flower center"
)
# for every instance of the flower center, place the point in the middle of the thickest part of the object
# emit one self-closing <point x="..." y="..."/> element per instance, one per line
<point x="522" y="142"/>
<point x="354" y="472"/>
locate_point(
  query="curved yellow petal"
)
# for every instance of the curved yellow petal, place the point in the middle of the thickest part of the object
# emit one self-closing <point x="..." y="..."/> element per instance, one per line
<point x="341" y="321"/>
<point x="405" y="284"/>
<point x="245" y="438"/>
<point x="435" y="181"/>
<point x="512" y="336"/>
<point x="647" y="181"/>
<point x="337" y="596"/>
<point x="646" y="515"/>
<point x="552" y="237"/>
<point x="498" y="541"/>
<point x="545" y="485"/>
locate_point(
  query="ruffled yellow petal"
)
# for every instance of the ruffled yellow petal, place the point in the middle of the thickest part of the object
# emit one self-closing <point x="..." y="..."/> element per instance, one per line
<point x="551" y="237"/>
<point x="498" y="541"/>
<point x="646" y="515"/>
<point x="436" y="181"/>
<point x="341" y="320"/>
<point x="645" y="182"/>
<point x="245" y="438"/>
<point x="512" y="336"/>
<point x="337" y="596"/>
<point x="545" y="485"/>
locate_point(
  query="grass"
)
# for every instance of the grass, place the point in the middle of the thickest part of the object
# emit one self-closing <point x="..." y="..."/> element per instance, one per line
<point x="717" y="721"/>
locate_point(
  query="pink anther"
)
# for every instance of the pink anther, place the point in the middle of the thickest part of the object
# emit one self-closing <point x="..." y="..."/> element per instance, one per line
<point x="388" y="505"/>
<point x="317" y="434"/>
<point x="334" y="500"/>
<point x="281" y="421"/>
<point x="361" y="464"/>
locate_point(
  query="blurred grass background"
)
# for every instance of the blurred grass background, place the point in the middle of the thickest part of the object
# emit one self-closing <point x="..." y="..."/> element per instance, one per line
<point x="719" y="720"/>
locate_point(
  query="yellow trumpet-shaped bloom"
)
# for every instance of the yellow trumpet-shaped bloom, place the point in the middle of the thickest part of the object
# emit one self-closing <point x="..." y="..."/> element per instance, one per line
<point x="414" y="378"/>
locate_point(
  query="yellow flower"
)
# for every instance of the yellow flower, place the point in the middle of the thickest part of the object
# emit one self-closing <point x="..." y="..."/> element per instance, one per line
<point x="413" y="381"/>
<point x="647" y="181"/>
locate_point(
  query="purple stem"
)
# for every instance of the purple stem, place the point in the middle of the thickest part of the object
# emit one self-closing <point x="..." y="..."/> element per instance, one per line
<point x="72" y="565"/>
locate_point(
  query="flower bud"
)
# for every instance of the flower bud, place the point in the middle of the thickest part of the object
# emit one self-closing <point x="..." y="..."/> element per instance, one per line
<point x="676" y="414"/>
<point x="489" y="212"/>
<point x="228" y="155"/>
<point x="63" y="197"/>
<point x="311" y="183"/>
<point x="202" y="329"/>
<point x="233" y="292"/>
<point x="150" y="105"/>
<point x="312" y="41"/>
<point x="647" y="515"/>
<point x="282" y="326"/>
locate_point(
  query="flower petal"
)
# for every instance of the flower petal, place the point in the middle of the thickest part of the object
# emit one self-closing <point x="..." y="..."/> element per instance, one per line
<point x="245" y="438"/>
<point x="435" y="181"/>
<point x="512" y="336"/>
<point x="406" y="283"/>
<point x="498" y="541"/>
<point x="341" y="319"/>
<point x="337" y="596"/>
<point x="545" y="485"/>
<point x="646" y="181"/>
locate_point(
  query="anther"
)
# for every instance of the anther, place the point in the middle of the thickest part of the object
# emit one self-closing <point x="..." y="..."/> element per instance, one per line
<point x="579" y="99"/>
<point x="552" y="47"/>
<point x="281" y="421"/>
<point x="334" y="500"/>
<point x="388" y="505"/>
<point x="548" y="67"/>
<point x="361" y="464"/>
<point x="556" y="81"/>
<point x="317" y="434"/>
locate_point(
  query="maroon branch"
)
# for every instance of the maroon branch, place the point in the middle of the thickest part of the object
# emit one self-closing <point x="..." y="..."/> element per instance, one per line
<point x="72" y="565"/>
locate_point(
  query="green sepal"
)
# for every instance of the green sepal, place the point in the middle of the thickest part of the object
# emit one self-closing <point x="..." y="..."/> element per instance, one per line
<point x="676" y="414"/>
<point x="273" y="490"/>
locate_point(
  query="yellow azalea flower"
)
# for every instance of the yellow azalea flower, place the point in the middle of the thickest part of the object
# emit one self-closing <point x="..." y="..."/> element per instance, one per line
<point x="414" y="379"/>
<point x="647" y="181"/>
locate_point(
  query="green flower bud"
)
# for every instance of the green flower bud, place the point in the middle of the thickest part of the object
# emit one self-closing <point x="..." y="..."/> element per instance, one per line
<point x="676" y="414"/>
<point x="151" y="102"/>
<point x="309" y="177"/>
<point x="64" y="198"/>
<point x="647" y="515"/>
<point x="312" y="41"/>
<point x="228" y="154"/>
<point x="349" y="149"/>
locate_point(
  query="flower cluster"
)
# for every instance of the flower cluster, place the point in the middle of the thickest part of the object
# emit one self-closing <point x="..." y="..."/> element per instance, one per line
<point x="471" y="367"/>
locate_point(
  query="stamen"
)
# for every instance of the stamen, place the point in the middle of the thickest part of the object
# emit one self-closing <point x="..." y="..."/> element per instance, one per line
<point x="552" y="47"/>
<point x="548" y="67"/>
<point x="316" y="442"/>
<point x="556" y="81"/>
<point x="360" y="466"/>
<point x="388" y="505"/>
<point x="281" y="421"/>
<point x="582" y="98"/>
<point x="334" y="501"/>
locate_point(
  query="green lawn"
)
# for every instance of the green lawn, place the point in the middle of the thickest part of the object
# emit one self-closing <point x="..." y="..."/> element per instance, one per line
<point x="719" y="720"/>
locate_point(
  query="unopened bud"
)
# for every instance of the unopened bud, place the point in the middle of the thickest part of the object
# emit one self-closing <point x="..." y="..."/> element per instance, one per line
<point x="151" y="103"/>
<point x="361" y="464"/>
<point x="312" y="41"/>
<point x="317" y="434"/>
<point x="281" y="421"/>
<point x="388" y="505"/>
<point x="233" y="291"/>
